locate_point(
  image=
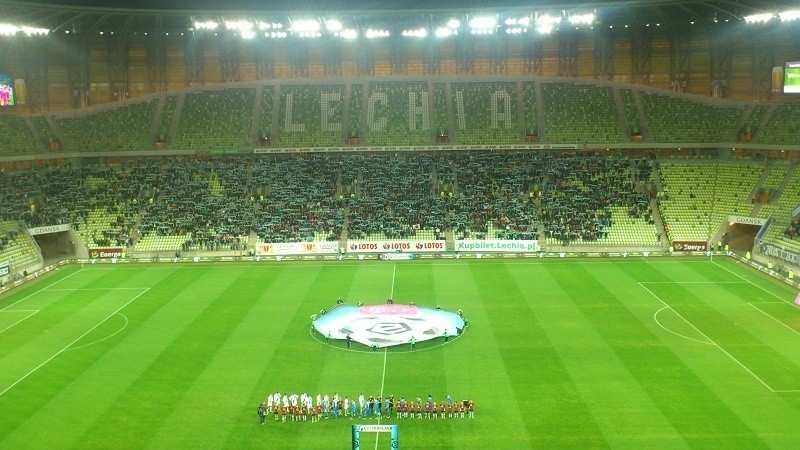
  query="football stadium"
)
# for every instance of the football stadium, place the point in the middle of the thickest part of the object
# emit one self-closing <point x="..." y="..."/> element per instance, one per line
<point x="364" y="225"/>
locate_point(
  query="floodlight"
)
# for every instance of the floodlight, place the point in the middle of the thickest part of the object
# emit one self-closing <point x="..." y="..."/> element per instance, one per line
<point x="348" y="34"/>
<point x="239" y="25"/>
<point x="759" y="18"/>
<point x="207" y="25"/>
<point x="546" y="23"/>
<point x="790" y="15"/>
<point x="305" y="26"/>
<point x="453" y="24"/>
<point x="269" y="26"/>
<point x="248" y="34"/>
<point x="333" y="25"/>
<point x="581" y="19"/>
<point x="443" y="32"/>
<point x="419" y="32"/>
<point x="483" y="23"/>
<point x="373" y="33"/>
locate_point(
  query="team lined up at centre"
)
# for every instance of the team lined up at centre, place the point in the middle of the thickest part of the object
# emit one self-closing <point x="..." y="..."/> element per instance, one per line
<point x="302" y="408"/>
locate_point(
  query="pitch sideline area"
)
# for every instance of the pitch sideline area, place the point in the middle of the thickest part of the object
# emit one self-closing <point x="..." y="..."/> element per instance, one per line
<point x="579" y="352"/>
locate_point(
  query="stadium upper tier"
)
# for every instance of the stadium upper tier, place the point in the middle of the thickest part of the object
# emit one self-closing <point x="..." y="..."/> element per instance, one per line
<point x="402" y="112"/>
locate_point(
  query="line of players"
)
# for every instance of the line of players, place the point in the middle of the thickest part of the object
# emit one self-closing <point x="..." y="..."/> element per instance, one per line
<point x="301" y="408"/>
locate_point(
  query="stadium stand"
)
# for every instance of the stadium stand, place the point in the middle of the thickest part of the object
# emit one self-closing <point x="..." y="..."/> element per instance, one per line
<point x="580" y="113"/>
<point x="674" y="119"/>
<point x="582" y="196"/>
<point x="496" y="196"/>
<point x="354" y="114"/>
<point x="485" y="112"/>
<point x="782" y="126"/>
<point x="632" y="115"/>
<point x="529" y="101"/>
<point x="16" y="137"/>
<point x="441" y="123"/>
<point x="216" y="119"/>
<point x="396" y="198"/>
<point x="167" y="117"/>
<point x="398" y="113"/>
<point x="696" y="198"/>
<point x="311" y="115"/>
<point x="754" y="120"/>
<point x="15" y="246"/>
<point x="123" y="128"/>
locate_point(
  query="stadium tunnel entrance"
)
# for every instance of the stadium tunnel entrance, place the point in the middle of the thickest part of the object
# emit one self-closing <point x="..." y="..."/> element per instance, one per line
<point x="60" y="245"/>
<point x="739" y="237"/>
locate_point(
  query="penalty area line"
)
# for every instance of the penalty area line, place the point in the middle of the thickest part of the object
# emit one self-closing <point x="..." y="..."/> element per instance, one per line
<point x="31" y="311"/>
<point x="72" y="343"/>
<point x="714" y="343"/>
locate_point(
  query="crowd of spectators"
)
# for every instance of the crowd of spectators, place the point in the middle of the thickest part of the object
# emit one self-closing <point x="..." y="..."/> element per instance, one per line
<point x="793" y="230"/>
<point x="218" y="203"/>
<point x="580" y="190"/>
<point x="394" y="196"/>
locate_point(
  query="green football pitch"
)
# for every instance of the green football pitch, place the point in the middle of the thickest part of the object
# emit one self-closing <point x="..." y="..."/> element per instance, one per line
<point x="624" y="353"/>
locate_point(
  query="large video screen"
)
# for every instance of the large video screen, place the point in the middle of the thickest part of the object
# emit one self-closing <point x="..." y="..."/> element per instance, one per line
<point x="791" y="78"/>
<point x="6" y="90"/>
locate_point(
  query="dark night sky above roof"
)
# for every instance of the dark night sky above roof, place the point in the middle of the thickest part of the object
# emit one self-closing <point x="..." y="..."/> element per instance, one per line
<point x="379" y="5"/>
<point x="143" y="15"/>
<point x="305" y="5"/>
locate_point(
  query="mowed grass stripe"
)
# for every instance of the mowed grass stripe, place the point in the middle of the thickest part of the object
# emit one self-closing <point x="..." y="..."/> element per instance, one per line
<point x="419" y="373"/>
<point x="540" y="382"/>
<point x="724" y="317"/>
<point x="227" y="382"/>
<point x="623" y="410"/>
<point x="167" y="352"/>
<point x="695" y="410"/>
<point x="25" y="411"/>
<point x="767" y="416"/>
<point x="296" y="361"/>
<point x="476" y="370"/>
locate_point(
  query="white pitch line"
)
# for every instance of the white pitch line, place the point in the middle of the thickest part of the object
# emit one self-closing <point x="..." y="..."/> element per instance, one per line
<point x="99" y="289"/>
<point x="383" y="380"/>
<point x="31" y="311"/>
<point x="40" y="290"/>
<point x="773" y="317"/>
<point x="750" y="282"/>
<point x="655" y="317"/>
<point x="694" y="282"/>
<point x="72" y="343"/>
<point x="394" y="272"/>
<point x="711" y="340"/>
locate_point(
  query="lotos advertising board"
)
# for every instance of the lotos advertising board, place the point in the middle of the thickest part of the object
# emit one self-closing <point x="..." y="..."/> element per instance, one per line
<point x="397" y="246"/>
<point x="297" y="248"/>
<point x="497" y="246"/>
<point x="106" y="252"/>
<point x="689" y="246"/>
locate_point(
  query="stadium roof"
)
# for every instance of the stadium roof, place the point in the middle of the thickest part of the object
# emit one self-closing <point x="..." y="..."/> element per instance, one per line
<point x="175" y="15"/>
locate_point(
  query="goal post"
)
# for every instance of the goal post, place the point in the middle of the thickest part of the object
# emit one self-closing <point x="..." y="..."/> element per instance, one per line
<point x="391" y="429"/>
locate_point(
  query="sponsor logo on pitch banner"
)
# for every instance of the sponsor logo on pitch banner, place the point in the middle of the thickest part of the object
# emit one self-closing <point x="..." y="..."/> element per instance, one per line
<point x="689" y="246"/>
<point x="388" y="325"/>
<point x="297" y="248"/>
<point x="400" y="246"/>
<point x="106" y="252"/>
<point x="497" y="246"/>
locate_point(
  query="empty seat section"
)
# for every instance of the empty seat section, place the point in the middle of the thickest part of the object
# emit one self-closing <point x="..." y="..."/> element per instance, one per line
<point x="580" y="113"/>
<point x="311" y="115"/>
<point x="485" y="113"/>
<point x="398" y="113"/>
